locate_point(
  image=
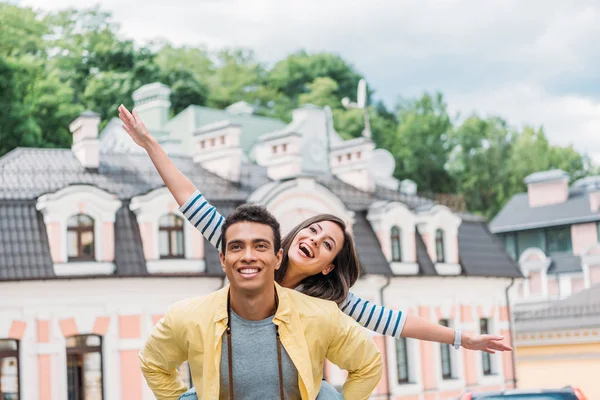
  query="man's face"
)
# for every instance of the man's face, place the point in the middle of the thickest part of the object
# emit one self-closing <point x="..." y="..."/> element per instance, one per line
<point x="250" y="260"/>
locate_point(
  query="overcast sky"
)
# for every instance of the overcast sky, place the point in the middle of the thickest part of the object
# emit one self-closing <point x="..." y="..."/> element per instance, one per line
<point x="531" y="62"/>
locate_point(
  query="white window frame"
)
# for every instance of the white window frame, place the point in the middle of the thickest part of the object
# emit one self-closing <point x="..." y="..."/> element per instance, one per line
<point x="415" y="385"/>
<point x="149" y="208"/>
<point x="100" y="205"/>
<point x="496" y="360"/>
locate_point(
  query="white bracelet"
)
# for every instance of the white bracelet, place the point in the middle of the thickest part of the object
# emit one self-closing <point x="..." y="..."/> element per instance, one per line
<point x="457" y="339"/>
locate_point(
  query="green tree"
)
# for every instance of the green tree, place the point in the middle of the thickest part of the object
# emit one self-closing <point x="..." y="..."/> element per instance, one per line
<point x="88" y="53"/>
<point x="321" y="92"/>
<point x="21" y="31"/>
<point x="532" y="153"/>
<point x="17" y="125"/>
<point x="238" y="76"/>
<point x="53" y="108"/>
<point x="292" y="75"/>
<point x="478" y="163"/>
<point x="187" y="71"/>
<point x="420" y="143"/>
<point x="105" y="91"/>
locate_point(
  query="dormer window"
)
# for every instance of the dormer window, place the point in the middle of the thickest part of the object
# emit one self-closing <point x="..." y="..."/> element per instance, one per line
<point x="170" y="236"/>
<point x="358" y="155"/>
<point x="339" y="159"/>
<point x="284" y="147"/>
<point x="439" y="246"/>
<point x="396" y="246"/>
<point x="202" y="144"/>
<point x="348" y="156"/>
<point x="274" y="149"/>
<point x="80" y="238"/>
<point x="212" y="142"/>
<point x="222" y="139"/>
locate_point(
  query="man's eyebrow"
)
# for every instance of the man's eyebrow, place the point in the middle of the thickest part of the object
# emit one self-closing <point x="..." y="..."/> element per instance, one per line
<point x="255" y="240"/>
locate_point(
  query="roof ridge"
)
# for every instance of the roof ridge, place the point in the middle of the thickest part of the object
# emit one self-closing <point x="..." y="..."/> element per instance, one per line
<point x="11" y="154"/>
<point x="238" y="115"/>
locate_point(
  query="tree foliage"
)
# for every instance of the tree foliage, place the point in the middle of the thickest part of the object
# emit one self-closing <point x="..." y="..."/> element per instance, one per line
<point x="54" y="66"/>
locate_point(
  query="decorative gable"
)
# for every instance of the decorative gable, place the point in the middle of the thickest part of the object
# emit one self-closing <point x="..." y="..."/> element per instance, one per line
<point x="149" y="210"/>
<point x="96" y="205"/>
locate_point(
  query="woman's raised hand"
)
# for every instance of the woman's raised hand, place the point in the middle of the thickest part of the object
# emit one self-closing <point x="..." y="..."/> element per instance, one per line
<point x="134" y="126"/>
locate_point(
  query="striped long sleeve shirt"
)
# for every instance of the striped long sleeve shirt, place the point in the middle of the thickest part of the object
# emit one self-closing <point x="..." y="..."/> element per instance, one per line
<point x="205" y="217"/>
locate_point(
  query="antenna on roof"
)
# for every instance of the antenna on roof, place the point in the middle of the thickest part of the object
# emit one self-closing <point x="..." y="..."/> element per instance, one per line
<point x="361" y="103"/>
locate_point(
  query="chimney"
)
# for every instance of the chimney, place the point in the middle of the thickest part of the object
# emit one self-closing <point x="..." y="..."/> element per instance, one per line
<point x="298" y="149"/>
<point x="591" y="186"/>
<point x="152" y="103"/>
<point x="547" y="188"/>
<point x="86" y="145"/>
<point x="408" y="187"/>
<point x="217" y="149"/>
<point x="351" y="163"/>
<point x="280" y="154"/>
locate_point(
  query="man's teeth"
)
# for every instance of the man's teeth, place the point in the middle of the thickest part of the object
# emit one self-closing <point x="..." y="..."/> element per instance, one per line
<point x="249" y="270"/>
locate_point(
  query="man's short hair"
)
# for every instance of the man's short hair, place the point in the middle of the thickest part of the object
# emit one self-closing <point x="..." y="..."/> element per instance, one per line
<point x="255" y="214"/>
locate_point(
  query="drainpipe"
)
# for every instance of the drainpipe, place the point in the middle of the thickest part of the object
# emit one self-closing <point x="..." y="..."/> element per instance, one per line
<point x="387" y="375"/>
<point x="511" y="330"/>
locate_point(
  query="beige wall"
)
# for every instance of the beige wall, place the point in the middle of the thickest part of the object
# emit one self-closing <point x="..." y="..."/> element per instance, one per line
<point x="555" y="366"/>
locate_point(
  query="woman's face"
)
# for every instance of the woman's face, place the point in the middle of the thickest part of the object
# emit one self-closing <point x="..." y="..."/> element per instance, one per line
<point x="314" y="248"/>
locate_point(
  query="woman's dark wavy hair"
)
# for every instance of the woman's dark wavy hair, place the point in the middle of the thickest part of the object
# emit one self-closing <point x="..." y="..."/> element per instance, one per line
<point x="336" y="284"/>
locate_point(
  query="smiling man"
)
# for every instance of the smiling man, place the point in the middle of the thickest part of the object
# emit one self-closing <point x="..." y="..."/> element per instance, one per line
<point x="254" y="339"/>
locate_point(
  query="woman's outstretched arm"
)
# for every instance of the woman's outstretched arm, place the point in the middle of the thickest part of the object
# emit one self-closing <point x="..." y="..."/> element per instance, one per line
<point x="398" y="324"/>
<point x="178" y="184"/>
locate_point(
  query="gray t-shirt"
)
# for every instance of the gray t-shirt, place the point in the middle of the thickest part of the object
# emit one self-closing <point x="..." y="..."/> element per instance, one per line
<point x="255" y="369"/>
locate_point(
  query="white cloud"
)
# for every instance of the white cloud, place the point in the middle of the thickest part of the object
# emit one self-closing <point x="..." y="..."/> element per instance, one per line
<point x="567" y="120"/>
<point x="530" y="61"/>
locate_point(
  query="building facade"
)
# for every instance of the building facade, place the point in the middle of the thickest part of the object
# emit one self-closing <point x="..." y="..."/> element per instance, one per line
<point x="552" y="231"/>
<point x="93" y="248"/>
<point x="562" y="339"/>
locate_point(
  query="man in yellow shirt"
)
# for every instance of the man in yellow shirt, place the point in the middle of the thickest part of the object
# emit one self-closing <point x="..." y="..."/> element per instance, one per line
<point x="254" y="339"/>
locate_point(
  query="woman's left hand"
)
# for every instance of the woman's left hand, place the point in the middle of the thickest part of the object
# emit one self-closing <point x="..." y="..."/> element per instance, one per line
<point x="488" y="343"/>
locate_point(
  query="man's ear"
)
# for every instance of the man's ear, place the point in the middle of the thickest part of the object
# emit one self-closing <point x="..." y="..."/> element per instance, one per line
<point x="222" y="259"/>
<point x="279" y="256"/>
<point x="327" y="270"/>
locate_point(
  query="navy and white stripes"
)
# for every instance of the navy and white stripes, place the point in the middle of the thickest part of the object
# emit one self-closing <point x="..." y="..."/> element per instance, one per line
<point x="204" y="217"/>
<point x="207" y="220"/>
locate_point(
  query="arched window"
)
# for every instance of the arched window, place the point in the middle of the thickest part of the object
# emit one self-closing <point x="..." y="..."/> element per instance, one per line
<point x="84" y="367"/>
<point x="396" y="244"/>
<point x="9" y="369"/>
<point x="439" y="246"/>
<point x="80" y="238"/>
<point x="170" y="236"/>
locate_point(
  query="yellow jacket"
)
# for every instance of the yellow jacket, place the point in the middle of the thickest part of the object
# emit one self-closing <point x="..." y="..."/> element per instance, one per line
<point x="311" y="330"/>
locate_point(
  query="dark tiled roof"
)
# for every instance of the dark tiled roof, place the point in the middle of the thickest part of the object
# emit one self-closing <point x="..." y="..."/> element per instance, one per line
<point x="564" y="263"/>
<point x="25" y="174"/>
<point x="518" y="215"/>
<point x="367" y="247"/>
<point x="129" y="253"/>
<point x="481" y="253"/>
<point x="579" y="311"/>
<point x="426" y="266"/>
<point x="24" y="248"/>
<point x="28" y="173"/>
